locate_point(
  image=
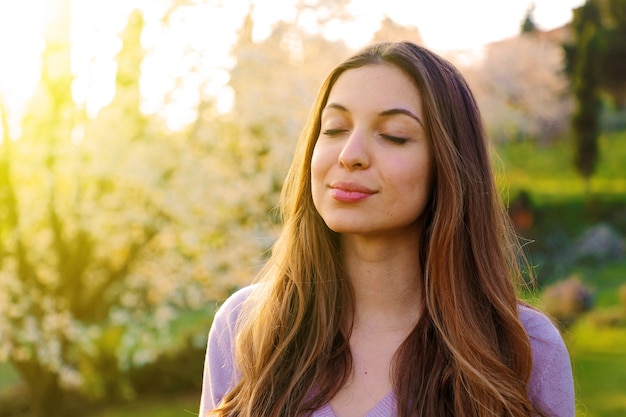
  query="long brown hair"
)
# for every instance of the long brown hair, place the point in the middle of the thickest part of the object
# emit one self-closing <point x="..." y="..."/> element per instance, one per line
<point x="468" y="355"/>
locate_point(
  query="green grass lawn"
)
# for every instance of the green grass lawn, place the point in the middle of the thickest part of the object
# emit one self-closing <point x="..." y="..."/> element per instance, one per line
<point x="548" y="174"/>
<point x="599" y="350"/>
<point x="599" y="362"/>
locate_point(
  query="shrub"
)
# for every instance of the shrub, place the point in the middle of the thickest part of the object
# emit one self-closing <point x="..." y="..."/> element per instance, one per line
<point x="566" y="300"/>
<point x="601" y="243"/>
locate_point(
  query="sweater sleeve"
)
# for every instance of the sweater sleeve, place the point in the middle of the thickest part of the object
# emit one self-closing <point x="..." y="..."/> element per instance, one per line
<point x="220" y="373"/>
<point x="551" y="386"/>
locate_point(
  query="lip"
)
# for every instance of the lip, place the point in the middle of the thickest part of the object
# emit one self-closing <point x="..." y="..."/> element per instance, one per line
<point x="350" y="192"/>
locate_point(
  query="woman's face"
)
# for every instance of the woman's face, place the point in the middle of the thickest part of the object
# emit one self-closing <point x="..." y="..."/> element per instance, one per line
<point x="371" y="169"/>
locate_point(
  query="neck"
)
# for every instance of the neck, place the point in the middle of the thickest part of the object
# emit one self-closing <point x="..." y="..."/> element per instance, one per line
<point x="386" y="278"/>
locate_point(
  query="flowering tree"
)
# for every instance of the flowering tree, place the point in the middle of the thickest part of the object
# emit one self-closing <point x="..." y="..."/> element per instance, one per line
<point x="274" y="82"/>
<point x="521" y="89"/>
<point x="97" y="237"/>
<point x="111" y="226"/>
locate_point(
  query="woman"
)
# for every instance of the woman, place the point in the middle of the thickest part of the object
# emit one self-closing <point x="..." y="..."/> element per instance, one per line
<point x="391" y="290"/>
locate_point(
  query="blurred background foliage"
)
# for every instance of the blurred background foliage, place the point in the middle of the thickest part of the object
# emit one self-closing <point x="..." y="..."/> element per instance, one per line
<point x="119" y="235"/>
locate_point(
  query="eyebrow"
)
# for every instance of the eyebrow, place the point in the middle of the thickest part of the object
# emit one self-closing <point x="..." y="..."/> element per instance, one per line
<point x="385" y="113"/>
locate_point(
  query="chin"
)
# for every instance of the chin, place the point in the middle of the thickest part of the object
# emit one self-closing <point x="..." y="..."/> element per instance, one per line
<point x="343" y="227"/>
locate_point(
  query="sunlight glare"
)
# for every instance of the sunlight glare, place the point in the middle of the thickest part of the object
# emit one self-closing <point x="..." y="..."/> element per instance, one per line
<point x="21" y="42"/>
<point x="192" y="51"/>
<point x="95" y="43"/>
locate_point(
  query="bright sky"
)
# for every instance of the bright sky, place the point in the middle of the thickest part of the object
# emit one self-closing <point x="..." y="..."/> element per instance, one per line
<point x="445" y="25"/>
<point x="466" y="24"/>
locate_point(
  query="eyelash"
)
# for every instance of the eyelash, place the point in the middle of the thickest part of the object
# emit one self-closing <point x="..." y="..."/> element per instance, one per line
<point x="395" y="139"/>
<point x="333" y="132"/>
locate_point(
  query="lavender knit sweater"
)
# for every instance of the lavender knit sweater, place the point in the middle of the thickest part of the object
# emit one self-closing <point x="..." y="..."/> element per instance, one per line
<point x="551" y="385"/>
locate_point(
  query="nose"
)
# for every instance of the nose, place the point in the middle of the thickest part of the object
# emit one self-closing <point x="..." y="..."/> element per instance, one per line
<point x="355" y="153"/>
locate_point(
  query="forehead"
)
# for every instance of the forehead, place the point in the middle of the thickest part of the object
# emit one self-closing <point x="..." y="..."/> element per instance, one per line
<point x="376" y="85"/>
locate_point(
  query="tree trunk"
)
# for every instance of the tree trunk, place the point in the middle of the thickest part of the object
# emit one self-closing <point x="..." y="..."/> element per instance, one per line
<point x="587" y="186"/>
<point x="45" y="393"/>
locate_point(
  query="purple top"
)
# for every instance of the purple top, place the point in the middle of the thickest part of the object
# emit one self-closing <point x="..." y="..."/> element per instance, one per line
<point x="551" y="384"/>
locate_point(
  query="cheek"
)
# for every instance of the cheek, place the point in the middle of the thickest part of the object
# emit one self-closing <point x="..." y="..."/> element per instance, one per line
<point x="318" y="173"/>
<point x="315" y="167"/>
<point x="413" y="181"/>
<point x="319" y="165"/>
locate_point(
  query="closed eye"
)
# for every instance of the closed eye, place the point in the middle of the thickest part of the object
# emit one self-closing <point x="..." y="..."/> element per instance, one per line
<point x="395" y="139"/>
<point x="333" y="132"/>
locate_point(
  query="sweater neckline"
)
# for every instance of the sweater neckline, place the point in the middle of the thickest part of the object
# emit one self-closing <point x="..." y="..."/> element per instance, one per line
<point x="385" y="407"/>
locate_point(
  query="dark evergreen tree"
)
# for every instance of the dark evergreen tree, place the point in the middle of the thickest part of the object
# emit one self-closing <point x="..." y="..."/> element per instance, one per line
<point x="528" y="25"/>
<point x="610" y="20"/>
<point x="586" y="73"/>
<point x="613" y="77"/>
